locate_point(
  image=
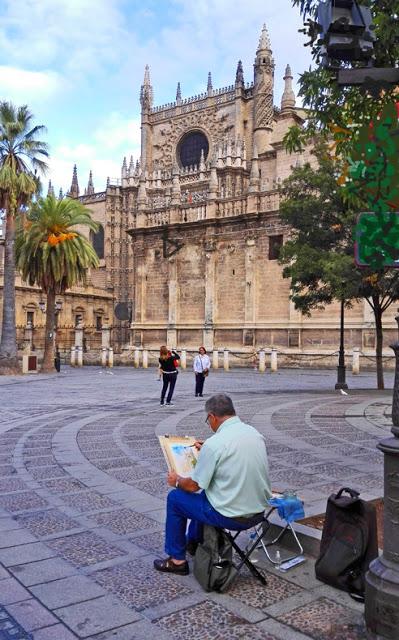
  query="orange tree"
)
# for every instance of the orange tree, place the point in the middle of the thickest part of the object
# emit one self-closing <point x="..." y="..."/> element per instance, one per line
<point x="54" y="255"/>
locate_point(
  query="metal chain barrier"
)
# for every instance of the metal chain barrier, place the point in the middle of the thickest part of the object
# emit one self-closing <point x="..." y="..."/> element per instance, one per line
<point x="373" y="358"/>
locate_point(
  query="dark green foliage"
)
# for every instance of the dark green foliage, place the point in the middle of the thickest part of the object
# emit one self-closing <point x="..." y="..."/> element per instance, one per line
<point x="373" y="172"/>
<point x="319" y="256"/>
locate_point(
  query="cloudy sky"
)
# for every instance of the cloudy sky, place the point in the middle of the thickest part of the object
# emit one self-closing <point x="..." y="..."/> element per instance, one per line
<point x="79" y="65"/>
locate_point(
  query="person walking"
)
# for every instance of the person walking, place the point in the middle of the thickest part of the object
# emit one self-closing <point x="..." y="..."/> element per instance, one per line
<point x="201" y="366"/>
<point x="168" y="362"/>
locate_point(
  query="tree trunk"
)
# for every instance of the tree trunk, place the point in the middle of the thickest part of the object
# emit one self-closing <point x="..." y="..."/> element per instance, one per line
<point x="378" y="345"/>
<point x="8" y="345"/>
<point x="48" y="357"/>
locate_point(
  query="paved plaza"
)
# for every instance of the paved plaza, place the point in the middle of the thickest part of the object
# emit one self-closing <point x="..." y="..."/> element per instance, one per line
<point x="82" y="503"/>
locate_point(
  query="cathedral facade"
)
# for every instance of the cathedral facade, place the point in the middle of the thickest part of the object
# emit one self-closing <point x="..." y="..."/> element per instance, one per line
<point x="192" y="230"/>
<point x="190" y="233"/>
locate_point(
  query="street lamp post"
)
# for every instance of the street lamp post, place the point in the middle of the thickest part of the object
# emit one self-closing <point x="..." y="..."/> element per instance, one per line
<point x="341" y="369"/>
<point x="382" y="579"/>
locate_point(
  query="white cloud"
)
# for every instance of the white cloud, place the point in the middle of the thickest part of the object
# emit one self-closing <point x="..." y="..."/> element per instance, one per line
<point x="117" y="133"/>
<point x="102" y="153"/>
<point x="77" y="35"/>
<point x="24" y="86"/>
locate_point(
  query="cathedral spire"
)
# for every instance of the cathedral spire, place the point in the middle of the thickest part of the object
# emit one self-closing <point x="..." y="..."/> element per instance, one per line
<point x="90" y="185"/>
<point x="178" y="93"/>
<point x="146" y="93"/>
<point x="74" y="190"/>
<point x="124" y="168"/>
<point x="50" y="190"/>
<point x="61" y="194"/>
<point x="239" y="75"/>
<point x="209" y="85"/>
<point x="264" y="40"/>
<point x="263" y="104"/>
<point x="288" y="98"/>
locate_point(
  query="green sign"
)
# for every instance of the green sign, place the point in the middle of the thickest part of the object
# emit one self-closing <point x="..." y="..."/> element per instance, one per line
<point x="377" y="240"/>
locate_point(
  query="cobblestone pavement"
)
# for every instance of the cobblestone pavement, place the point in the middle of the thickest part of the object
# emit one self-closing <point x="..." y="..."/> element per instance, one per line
<point x="82" y="496"/>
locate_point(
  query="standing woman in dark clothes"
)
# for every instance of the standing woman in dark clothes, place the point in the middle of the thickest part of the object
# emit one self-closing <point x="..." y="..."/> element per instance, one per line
<point x="167" y="365"/>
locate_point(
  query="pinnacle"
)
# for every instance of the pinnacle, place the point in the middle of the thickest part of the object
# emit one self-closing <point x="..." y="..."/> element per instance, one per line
<point x="239" y="73"/>
<point x="147" y="80"/>
<point x="264" y="40"/>
<point x="288" y="72"/>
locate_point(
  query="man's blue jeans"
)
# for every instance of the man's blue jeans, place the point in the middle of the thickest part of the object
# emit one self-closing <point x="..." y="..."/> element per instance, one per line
<point x="183" y="506"/>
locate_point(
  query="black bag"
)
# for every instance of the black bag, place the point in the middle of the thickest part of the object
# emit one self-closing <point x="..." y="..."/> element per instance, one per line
<point x="348" y="544"/>
<point x="213" y="561"/>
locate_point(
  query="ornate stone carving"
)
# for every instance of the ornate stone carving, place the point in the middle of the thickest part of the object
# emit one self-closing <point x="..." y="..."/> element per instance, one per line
<point x="212" y="121"/>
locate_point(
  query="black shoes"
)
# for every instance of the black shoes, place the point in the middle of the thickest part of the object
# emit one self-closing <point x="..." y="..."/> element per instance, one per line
<point x="168" y="566"/>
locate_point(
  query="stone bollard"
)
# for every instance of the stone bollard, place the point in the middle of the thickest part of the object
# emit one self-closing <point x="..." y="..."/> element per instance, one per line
<point x="79" y="332"/>
<point x="273" y="361"/>
<point x="356" y="361"/>
<point x="215" y="359"/>
<point x="73" y="357"/>
<point x="79" y="356"/>
<point x="382" y="579"/>
<point x="104" y="357"/>
<point x="226" y="360"/>
<point x="105" y="336"/>
<point x="145" y="359"/>
<point x="262" y="361"/>
<point x="183" y="359"/>
<point x="110" y="357"/>
<point x="137" y="358"/>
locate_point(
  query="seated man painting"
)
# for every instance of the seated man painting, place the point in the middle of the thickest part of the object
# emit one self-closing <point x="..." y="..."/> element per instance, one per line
<point x="232" y="471"/>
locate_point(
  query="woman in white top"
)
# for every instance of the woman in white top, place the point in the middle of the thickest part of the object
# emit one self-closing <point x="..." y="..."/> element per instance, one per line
<point x="202" y="364"/>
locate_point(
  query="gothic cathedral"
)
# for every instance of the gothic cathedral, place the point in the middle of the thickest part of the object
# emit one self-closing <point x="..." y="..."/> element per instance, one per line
<point x="191" y="231"/>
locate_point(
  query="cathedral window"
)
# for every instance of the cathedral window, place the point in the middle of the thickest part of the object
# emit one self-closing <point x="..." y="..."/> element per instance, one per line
<point x="190" y="147"/>
<point x="97" y="240"/>
<point x="275" y="244"/>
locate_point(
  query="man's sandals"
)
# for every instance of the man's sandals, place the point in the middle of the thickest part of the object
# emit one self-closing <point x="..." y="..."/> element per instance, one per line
<point x="168" y="566"/>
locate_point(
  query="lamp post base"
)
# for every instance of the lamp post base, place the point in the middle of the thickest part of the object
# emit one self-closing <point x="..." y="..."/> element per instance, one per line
<point x="382" y="579"/>
<point x="341" y="378"/>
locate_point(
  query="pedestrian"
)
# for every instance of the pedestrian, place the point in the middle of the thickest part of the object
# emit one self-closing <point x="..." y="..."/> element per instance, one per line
<point x="57" y="360"/>
<point x="168" y="363"/>
<point x="201" y="366"/>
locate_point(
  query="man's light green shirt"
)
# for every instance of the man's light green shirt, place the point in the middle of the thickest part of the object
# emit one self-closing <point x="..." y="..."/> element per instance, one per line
<point x="233" y="470"/>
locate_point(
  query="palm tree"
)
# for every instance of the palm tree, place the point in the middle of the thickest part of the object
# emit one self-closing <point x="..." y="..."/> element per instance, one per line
<point x="52" y="254"/>
<point x="21" y="157"/>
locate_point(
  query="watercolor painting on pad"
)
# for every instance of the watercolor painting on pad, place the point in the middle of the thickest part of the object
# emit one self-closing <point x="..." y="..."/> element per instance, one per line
<point x="180" y="454"/>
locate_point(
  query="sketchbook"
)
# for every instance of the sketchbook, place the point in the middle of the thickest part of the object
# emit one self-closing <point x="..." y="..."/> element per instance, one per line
<point x="180" y="454"/>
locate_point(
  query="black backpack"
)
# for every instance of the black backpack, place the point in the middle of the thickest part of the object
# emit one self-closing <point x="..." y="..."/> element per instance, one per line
<point x="348" y="544"/>
<point x="213" y="561"/>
